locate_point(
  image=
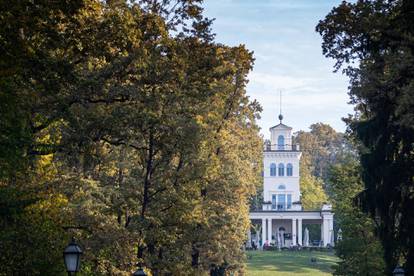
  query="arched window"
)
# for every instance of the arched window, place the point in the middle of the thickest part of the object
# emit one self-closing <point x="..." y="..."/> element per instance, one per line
<point x="281" y="169"/>
<point x="273" y="169"/>
<point x="281" y="142"/>
<point x="281" y="187"/>
<point x="289" y="169"/>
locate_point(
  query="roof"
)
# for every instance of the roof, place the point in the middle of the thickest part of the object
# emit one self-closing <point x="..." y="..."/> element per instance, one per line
<point x="281" y="126"/>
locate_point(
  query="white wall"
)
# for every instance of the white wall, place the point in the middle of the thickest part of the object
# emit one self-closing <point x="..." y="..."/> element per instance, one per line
<point x="271" y="183"/>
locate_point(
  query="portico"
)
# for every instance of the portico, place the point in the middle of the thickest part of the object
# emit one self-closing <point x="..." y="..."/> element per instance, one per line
<point x="292" y="223"/>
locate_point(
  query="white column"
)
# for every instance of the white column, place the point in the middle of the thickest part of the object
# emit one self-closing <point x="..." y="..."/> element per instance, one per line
<point x="269" y="230"/>
<point x="294" y="232"/>
<point x="325" y="231"/>
<point x="331" y="232"/>
<point x="322" y="231"/>
<point x="300" y="240"/>
<point x="263" y="231"/>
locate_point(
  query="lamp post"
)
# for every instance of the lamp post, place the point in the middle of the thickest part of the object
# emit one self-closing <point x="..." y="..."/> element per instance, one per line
<point x="398" y="271"/>
<point x="71" y="255"/>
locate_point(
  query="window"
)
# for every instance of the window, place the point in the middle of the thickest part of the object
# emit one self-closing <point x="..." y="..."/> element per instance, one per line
<point x="289" y="201"/>
<point x="281" y="169"/>
<point x="273" y="169"/>
<point x="281" y="142"/>
<point x="281" y="201"/>
<point x="289" y="169"/>
<point x="281" y="187"/>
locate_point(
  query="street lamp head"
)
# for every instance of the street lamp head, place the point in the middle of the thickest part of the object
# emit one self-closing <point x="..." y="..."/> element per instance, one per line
<point x="139" y="272"/>
<point x="71" y="256"/>
<point x="398" y="271"/>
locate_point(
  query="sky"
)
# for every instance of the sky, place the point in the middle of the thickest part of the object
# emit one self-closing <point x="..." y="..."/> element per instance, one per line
<point x="288" y="58"/>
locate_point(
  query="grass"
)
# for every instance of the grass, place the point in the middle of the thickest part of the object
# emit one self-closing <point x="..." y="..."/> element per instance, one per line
<point x="284" y="263"/>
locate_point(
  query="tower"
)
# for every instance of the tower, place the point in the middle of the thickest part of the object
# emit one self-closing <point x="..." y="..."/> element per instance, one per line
<point x="281" y="161"/>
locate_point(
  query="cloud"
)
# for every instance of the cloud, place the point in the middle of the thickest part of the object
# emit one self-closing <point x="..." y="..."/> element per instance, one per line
<point x="277" y="82"/>
<point x="306" y="99"/>
<point x="298" y="91"/>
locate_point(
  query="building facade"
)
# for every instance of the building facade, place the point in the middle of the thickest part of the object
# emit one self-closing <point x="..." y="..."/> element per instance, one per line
<point x="281" y="217"/>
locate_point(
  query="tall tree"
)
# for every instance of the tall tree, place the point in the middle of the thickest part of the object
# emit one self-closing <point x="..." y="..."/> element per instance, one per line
<point x="146" y="125"/>
<point x="359" y="249"/>
<point x="375" y="39"/>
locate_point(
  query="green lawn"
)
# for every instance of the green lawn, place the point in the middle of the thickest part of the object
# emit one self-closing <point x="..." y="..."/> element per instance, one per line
<point x="264" y="263"/>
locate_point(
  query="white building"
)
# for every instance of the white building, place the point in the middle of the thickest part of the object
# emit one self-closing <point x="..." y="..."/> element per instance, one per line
<point x="281" y="215"/>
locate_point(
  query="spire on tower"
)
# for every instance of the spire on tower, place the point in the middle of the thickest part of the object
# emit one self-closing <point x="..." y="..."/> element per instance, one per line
<point x="280" y="107"/>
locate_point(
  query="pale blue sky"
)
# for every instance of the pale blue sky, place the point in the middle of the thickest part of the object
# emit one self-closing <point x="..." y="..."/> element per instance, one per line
<point x="288" y="57"/>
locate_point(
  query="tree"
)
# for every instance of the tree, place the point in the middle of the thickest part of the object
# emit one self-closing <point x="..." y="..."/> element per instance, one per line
<point x="175" y="153"/>
<point x="313" y="195"/>
<point x="323" y="147"/>
<point x="359" y="249"/>
<point x="152" y="141"/>
<point x="374" y="40"/>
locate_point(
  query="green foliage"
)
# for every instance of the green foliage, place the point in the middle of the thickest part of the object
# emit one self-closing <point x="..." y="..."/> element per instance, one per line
<point x="311" y="187"/>
<point x="360" y="250"/>
<point x="374" y="39"/>
<point x="31" y="239"/>
<point x="15" y="135"/>
<point x="31" y="233"/>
